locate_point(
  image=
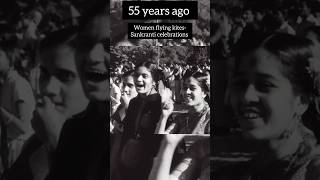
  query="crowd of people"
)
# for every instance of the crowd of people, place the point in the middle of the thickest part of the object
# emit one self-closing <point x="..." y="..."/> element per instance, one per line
<point x="57" y="87"/>
<point x="54" y="69"/>
<point x="149" y="100"/>
<point x="170" y="82"/>
<point x="160" y="104"/>
<point x="268" y="92"/>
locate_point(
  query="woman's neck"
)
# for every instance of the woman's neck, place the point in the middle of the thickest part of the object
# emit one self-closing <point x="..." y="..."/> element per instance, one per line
<point x="101" y="107"/>
<point x="152" y="91"/>
<point x="198" y="108"/>
<point x="282" y="147"/>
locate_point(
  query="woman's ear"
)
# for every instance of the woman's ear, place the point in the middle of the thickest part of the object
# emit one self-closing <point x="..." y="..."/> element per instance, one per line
<point x="301" y="105"/>
<point x="204" y="94"/>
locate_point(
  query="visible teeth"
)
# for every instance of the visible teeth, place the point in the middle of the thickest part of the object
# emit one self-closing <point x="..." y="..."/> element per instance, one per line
<point x="250" y="115"/>
<point x="98" y="72"/>
<point x="96" y="75"/>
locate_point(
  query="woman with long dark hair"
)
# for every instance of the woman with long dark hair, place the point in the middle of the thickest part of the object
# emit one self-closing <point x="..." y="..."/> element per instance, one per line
<point x="270" y="91"/>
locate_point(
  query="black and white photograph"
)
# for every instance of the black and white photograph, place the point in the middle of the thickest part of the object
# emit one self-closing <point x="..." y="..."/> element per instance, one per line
<point x="159" y="90"/>
<point x="158" y="157"/>
<point x="54" y="81"/>
<point x="266" y="89"/>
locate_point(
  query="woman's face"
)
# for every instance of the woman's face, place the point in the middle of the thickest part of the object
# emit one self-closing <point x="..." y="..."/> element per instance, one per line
<point x="248" y="16"/>
<point x="94" y="59"/>
<point x="129" y="88"/>
<point x="313" y="37"/>
<point x="192" y="92"/>
<point x="59" y="80"/>
<point x="143" y="80"/>
<point x="262" y="97"/>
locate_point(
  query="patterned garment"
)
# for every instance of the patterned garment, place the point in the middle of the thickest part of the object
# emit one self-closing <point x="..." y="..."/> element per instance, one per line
<point x="300" y="165"/>
<point x="192" y="123"/>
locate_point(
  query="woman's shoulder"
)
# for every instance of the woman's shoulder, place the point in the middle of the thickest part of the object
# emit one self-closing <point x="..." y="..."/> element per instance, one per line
<point x="313" y="169"/>
<point x="309" y="166"/>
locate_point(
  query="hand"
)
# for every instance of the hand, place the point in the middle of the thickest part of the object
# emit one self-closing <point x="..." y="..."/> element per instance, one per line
<point x="167" y="108"/>
<point x="48" y="122"/>
<point x="125" y="99"/>
<point x="166" y="101"/>
<point x="164" y="92"/>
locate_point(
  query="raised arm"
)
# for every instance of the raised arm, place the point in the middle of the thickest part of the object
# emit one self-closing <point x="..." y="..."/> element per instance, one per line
<point x="162" y="163"/>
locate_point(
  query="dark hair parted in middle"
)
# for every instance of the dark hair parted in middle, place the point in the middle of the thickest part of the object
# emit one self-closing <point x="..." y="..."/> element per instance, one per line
<point x="202" y="79"/>
<point x="293" y="53"/>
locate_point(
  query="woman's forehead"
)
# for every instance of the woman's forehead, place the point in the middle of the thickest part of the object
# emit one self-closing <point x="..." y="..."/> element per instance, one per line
<point x="98" y="28"/>
<point x="191" y="81"/>
<point x="142" y="70"/>
<point x="256" y="57"/>
<point x="128" y="79"/>
<point x="261" y="62"/>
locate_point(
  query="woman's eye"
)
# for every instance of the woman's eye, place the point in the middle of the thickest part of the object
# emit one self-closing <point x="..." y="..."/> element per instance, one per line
<point x="65" y="76"/>
<point x="192" y="88"/>
<point x="264" y="86"/>
<point x="145" y="76"/>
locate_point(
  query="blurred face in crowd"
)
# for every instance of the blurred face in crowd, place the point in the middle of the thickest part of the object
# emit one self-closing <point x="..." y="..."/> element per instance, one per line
<point x="313" y="37"/>
<point x="280" y="16"/>
<point x="192" y="92"/>
<point x="36" y="17"/>
<point x="248" y="16"/>
<point x="4" y="66"/>
<point x="259" y="16"/>
<point x="94" y="58"/>
<point x="143" y="80"/>
<point x="305" y="10"/>
<point x="59" y="80"/>
<point x="33" y="17"/>
<point x="129" y="87"/>
<point x="262" y="97"/>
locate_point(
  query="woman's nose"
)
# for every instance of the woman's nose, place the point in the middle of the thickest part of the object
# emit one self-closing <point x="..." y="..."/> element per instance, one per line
<point x="188" y="91"/>
<point x="97" y="54"/>
<point x="250" y="94"/>
<point x="139" y="78"/>
<point x="52" y="87"/>
<point x="125" y="89"/>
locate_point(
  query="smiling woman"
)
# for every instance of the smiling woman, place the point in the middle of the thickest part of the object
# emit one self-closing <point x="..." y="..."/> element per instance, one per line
<point x="197" y="119"/>
<point x="140" y="122"/>
<point x="144" y="110"/>
<point x="62" y="97"/>
<point x="270" y="91"/>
